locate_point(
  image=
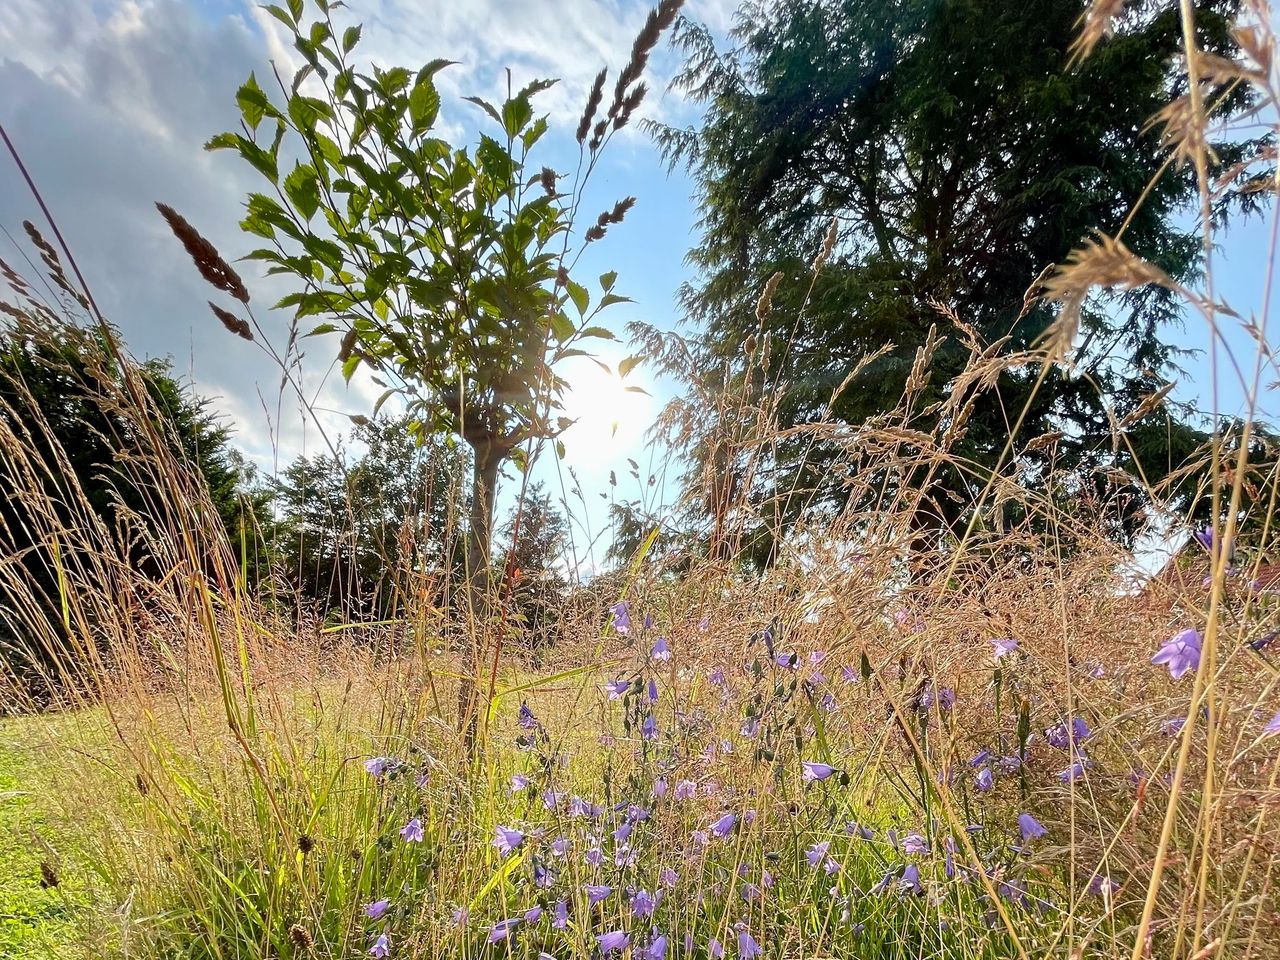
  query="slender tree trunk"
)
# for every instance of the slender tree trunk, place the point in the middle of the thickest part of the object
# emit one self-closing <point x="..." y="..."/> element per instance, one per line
<point x="484" y="485"/>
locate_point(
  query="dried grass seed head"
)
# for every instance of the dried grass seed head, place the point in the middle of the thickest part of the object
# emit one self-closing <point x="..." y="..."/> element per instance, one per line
<point x="237" y="325"/>
<point x="204" y="255"/>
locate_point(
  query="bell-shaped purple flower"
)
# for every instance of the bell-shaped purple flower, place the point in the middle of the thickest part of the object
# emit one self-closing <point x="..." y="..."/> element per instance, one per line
<point x="724" y="826"/>
<point x="814" y="770"/>
<point x="502" y="929"/>
<point x="411" y="832"/>
<point x="1181" y="653"/>
<point x="621" y="617"/>
<point x="1273" y="728"/>
<point x="507" y="839"/>
<point x="612" y="942"/>
<point x="1030" y="827"/>
<point x="643" y="904"/>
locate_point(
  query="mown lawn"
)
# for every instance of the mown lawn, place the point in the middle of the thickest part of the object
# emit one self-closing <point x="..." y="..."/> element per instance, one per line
<point x="37" y="921"/>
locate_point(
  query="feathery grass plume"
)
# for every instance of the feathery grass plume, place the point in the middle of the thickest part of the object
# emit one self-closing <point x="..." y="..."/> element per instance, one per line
<point x="237" y="325"/>
<point x="17" y="282"/>
<point x="828" y="244"/>
<point x="764" y="305"/>
<point x="1258" y="43"/>
<point x="658" y="20"/>
<point x="50" y="258"/>
<point x="593" y="104"/>
<point x="347" y="345"/>
<point x="1102" y="261"/>
<point x="204" y="255"/>
<point x="630" y="105"/>
<point x="548" y="180"/>
<point x="1181" y="131"/>
<point x="1151" y="401"/>
<point x="609" y="217"/>
<point x="1097" y="22"/>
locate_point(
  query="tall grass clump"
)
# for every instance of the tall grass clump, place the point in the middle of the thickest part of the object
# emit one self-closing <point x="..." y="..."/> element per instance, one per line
<point x="998" y="744"/>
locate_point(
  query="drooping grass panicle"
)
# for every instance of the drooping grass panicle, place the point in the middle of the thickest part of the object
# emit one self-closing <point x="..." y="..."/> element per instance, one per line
<point x="237" y="325"/>
<point x="204" y="255"/>
<point x="593" y="104"/>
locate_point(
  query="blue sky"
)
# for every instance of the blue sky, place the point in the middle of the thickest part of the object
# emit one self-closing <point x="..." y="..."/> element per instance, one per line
<point x="110" y="101"/>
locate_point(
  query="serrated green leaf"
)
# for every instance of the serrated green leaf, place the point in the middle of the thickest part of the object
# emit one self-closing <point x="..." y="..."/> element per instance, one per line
<point x="253" y="103"/>
<point x="349" y="366"/>
<point x="629" y="364"/>
<point x="303" y="190"/>
<point x="607" y="280"/>
<point x="282" y="15"/>
<point x="561" y="326"/>
<point x="486" y="106"/>
<point x="350" y="37"/>
<point x="600" y="333"/>
<point x="424" y="104"/>
<point x="578" y="294"/>
<point x="222" y="141"/>
<point x="321" y="329"/>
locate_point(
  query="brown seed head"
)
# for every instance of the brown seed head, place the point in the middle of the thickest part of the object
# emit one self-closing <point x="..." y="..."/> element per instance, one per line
<point x="204" y="255"/>
<point x="765" y="304"/>
<point x="301" y="937"/>
<point x="236" y="325"/>
<point x="593" y="104"/>
<point x="48" y="875"/>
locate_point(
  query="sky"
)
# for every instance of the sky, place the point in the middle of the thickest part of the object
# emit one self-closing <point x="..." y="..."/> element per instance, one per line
<point x="110" y="101"/>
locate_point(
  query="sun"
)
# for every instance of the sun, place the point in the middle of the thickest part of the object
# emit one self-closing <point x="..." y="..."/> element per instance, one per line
<point x="608" y="414"/>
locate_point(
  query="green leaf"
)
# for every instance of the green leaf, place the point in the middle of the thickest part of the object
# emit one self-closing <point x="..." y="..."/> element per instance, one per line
<point x="222" y="141"/>
<point x="300" y="77"/>
<point x="424" y="104"/>
<point x="629" y="364"/>
<point x="516" y="115"/>
<point x="262" y="161"/>
<point x="349" y="366"/>
<point x="486" y="106"/>
<point x="295" y="7"/>
<point x="253" y="103"/>
<point x="321" y="329"/>
<point x="303" y="190"/>
<point x="561" y="326"/>
<point x="386" y="395"/>
<point x="609" y="299"/>
<point x="282" y="15"/>
<point x="607" y="280"/>
<point x="578" y="294"/>
<point x="350" y="37"/>
<point x="600" y="333"/>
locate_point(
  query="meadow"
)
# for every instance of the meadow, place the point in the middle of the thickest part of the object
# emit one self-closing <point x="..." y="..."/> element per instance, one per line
<point x="1012" y="741"/>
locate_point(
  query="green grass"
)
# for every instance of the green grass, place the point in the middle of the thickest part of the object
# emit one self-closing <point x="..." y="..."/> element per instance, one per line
<point x="36" y="923"/>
